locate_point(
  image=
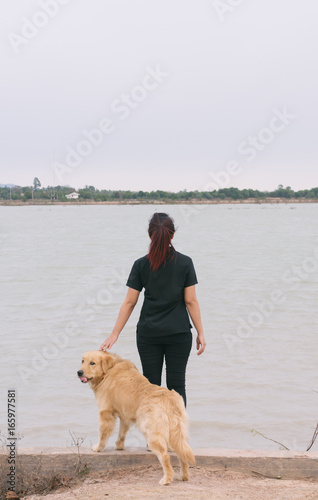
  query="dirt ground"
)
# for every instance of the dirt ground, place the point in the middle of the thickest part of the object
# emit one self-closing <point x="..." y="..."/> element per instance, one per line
<point x="204" y="484"/>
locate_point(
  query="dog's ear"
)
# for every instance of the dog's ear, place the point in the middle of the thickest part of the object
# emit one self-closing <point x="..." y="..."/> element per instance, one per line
<point x="107" y="362"/>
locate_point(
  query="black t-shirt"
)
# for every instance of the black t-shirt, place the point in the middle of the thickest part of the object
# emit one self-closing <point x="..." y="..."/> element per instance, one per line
<point x="164" y="311"/>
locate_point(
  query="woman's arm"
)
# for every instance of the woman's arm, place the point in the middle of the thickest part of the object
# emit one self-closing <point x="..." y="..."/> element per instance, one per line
<point x="123" y="316"/>
<point x="193" y="307"/>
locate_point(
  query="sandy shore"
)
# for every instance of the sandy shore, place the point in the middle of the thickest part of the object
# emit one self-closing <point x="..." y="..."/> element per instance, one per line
<point x="204" y="484"/>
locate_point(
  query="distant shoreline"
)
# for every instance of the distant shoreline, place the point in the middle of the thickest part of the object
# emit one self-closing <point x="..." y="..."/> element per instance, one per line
<point x="254" y="201"/>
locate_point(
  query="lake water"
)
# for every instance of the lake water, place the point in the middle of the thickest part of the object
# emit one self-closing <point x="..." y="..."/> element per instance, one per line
<point x="63" y="274"/>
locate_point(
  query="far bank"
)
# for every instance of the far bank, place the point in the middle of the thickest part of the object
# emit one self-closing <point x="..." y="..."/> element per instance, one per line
<point x="254" y="201"/>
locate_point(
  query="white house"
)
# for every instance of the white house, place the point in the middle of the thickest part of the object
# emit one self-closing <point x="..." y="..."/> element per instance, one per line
<point x="72" y="196"/>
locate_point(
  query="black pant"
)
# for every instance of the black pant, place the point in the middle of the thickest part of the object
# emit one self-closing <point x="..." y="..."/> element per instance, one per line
<point x="175" y="349"/>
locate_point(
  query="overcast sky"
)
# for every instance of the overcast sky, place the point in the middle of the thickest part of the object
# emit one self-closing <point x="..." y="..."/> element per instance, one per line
<point x="159" y="94"/>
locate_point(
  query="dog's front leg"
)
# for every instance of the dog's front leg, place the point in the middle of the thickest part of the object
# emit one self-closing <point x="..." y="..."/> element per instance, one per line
<point x="106" y="428"/>
<point x="123" y="429"/>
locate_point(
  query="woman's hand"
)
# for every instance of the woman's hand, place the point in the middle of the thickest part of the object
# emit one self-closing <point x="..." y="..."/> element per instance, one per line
<point x="109" y="342"/>
<point x="124" y="313"/>
<point x="201" y="343"/>
<point x="193" y="307"/>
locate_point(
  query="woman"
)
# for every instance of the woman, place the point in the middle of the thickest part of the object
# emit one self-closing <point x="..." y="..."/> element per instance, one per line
<point x="163" y="329"/>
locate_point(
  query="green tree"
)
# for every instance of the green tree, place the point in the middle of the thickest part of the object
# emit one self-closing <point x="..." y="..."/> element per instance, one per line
<point x="36" y="185"/>
<point x="27" y="194"/>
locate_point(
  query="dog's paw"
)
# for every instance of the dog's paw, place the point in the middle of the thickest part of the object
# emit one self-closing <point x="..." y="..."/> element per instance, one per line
<point x="97" y="448"/>
<point x="182" y="478"/>
<point x="164" y="482"/>
<point x="120" y="447"/>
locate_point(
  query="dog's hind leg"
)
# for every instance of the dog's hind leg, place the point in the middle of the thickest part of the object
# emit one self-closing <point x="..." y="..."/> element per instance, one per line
<point x="177" y="439"/>
<point x="106" y="428"/>
<point x="184" y="473"/>
<point x="159" y="447"/>
<point x="123" y="429"/>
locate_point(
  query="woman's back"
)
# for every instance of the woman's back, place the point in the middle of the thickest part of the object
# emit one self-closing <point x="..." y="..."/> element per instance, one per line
<point x="164" y="311"/>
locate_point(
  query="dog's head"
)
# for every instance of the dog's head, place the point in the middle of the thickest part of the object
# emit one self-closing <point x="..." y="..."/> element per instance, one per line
<point x="95" y="365"/>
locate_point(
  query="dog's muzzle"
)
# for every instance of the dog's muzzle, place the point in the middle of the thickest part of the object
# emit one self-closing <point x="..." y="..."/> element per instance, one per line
<point x="80" y="374"/>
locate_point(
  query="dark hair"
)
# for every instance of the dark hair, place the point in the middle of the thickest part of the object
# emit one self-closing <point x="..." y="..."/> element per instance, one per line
<point x="161" y="230"/>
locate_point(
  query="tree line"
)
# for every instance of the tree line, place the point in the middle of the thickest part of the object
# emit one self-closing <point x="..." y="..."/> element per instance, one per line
<point x="58" y="193"/>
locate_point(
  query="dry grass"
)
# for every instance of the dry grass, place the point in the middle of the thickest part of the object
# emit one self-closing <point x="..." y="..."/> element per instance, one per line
<point x="39" y="480"/>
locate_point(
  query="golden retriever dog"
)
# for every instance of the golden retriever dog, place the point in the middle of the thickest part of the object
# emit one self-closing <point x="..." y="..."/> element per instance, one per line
<point x="121" y="391"/>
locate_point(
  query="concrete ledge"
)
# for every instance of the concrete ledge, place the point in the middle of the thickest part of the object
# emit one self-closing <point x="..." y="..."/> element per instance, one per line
<point x="274" y="464"/>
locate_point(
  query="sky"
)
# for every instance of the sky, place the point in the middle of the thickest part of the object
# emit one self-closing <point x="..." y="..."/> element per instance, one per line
<point x="149" y="94"/>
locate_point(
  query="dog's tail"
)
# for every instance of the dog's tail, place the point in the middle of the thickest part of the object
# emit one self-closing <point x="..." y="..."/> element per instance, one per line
<point x="183" y="450"/>
<point x="178" y="432"/>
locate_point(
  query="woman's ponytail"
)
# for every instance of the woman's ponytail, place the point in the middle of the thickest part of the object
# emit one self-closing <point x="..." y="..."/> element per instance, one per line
<point x="161" y="230"/>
